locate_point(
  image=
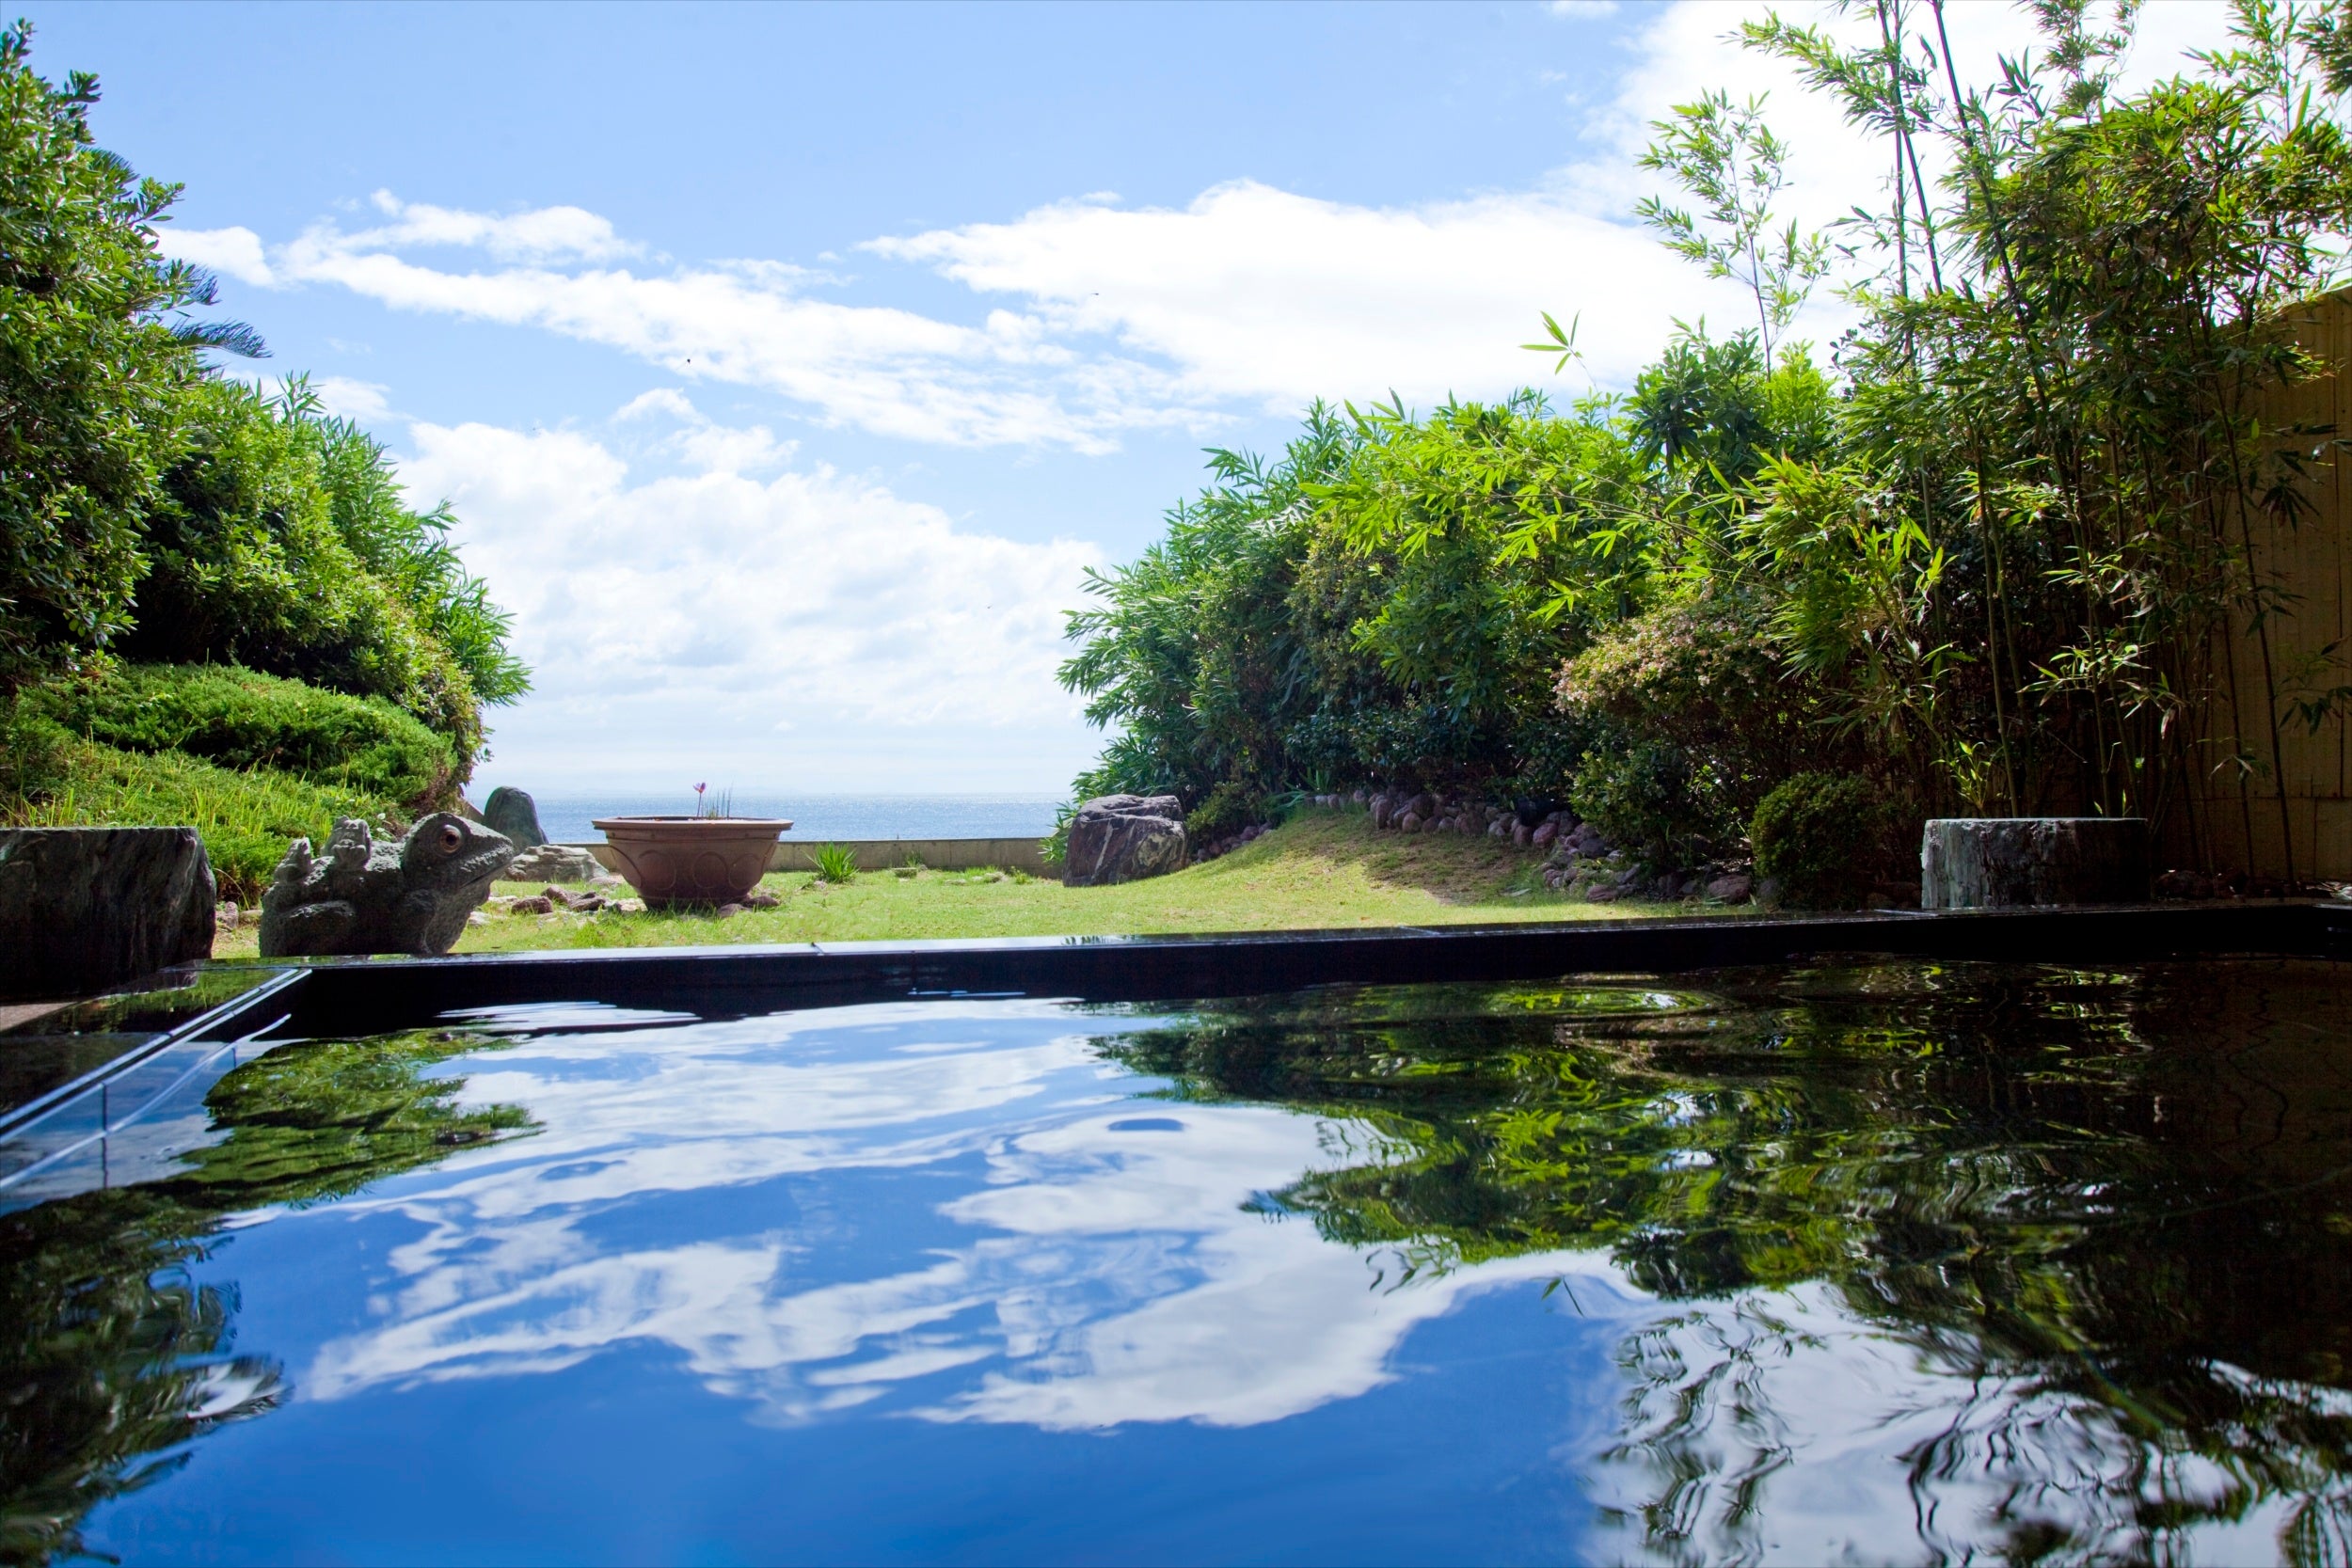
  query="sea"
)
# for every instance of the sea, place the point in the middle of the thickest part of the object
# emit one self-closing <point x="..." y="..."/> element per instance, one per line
<point x="818" y="818"/>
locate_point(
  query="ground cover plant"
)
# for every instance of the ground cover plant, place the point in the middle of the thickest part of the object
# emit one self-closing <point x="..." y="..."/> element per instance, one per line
<point x="244" y="816"/>
<point x="1993" y="551"/>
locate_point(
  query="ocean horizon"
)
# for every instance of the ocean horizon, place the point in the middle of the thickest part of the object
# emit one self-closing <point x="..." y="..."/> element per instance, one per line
<point x="817" y="818"/>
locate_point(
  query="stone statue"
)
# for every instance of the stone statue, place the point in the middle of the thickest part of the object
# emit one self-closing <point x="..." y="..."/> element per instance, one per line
<point x="362" y="896"/>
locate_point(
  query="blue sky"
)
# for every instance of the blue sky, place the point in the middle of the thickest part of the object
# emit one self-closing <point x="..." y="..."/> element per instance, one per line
<point x="789" y="366"/>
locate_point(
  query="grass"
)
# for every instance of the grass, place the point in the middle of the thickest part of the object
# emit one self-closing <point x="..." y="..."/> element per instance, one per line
<point x="244" y="816"/>
<point x="1322" y="869"/>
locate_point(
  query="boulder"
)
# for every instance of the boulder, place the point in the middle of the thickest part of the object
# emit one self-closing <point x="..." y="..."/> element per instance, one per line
<point x="511" y="814"/>
<point x="1411" y="824"/>
<point x="1382" y="809"/>
<point x="2007" y="861"/>
<point x="555" y="862"/>
<point x="1124" y="838"/>
<point x="410" y="896"/>
<point x="1732" y="888"/>
<point x="82" y="909"/>
<point x="1541" y="838"/>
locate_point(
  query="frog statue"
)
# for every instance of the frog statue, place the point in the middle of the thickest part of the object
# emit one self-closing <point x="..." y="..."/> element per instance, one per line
<point x="411" y="895"/>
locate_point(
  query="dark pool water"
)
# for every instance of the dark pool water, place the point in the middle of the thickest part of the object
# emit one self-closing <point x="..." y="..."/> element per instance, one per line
<point x="1879" y="1263"/>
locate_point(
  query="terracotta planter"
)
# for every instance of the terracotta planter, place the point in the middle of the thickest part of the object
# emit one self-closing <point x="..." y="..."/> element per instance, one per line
<point x="693" y="859"/>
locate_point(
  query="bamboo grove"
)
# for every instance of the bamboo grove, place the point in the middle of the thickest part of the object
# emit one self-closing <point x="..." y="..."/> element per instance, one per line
<point x="1992" y="549"/>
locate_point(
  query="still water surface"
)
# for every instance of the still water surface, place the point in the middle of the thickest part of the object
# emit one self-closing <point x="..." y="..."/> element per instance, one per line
<point x="1881" y="1263"/>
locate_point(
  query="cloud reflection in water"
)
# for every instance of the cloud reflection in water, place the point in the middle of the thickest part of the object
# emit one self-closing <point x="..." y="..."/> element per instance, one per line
<point x="1097" y="1269"/>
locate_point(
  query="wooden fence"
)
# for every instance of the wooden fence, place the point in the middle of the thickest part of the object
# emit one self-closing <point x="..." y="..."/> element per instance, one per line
<point x="2234" y="818"/>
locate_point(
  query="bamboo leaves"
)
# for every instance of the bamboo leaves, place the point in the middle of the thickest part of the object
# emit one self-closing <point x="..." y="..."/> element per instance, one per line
<point x="1726" y="156"/>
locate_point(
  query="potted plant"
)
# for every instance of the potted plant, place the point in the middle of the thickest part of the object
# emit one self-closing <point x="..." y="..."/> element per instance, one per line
<point x="709" y="857"/>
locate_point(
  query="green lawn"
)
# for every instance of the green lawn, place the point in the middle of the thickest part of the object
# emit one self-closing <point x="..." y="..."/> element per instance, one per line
<point x="1323" y="869"/>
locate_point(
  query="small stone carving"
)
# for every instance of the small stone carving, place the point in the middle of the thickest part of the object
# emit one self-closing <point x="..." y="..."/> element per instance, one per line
<point x="1123" y="838"/>
<point x="555" y="862"/>
<point x="411" y="895"/>
<point x="512" y="813"/>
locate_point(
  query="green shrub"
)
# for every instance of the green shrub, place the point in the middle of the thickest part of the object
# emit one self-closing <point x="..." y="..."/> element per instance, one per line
<point x="240" y="719"/>
<point x="1655" y="799"/>
<point x="1824" y="837"/>
<point x="836" y="863"/>
<point x="279" y="541"/>
<point x="1701" y="673"/>
<point x="245" y="818"/>
<point x="1054" y="846"/>
<point x="1229" y="807"/>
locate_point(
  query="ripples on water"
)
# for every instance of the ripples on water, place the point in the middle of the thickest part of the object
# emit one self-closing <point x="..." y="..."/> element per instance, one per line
<point x="1883" y="1263"/>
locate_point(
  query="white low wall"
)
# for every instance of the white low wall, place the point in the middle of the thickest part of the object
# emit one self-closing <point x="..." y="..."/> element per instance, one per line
<point x="881" y="854"/>
<point x="940" y="854"/>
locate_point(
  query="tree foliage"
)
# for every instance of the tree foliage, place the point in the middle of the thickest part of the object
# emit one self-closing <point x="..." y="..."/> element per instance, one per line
<point x="91" y="361"/>
<point x="152" y="507"/>
<point x="1390" y="597"/>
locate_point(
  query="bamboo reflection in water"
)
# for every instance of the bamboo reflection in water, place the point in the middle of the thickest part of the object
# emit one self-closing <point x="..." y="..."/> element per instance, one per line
<point x="2072" y="1247"/>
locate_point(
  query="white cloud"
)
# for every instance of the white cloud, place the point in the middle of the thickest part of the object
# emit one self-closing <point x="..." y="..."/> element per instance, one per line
<point x="676" y="579"/>
<point x="234" y="251"/>
<point x="751" y="323"/>
<point x="1253" y="292"/>
<point x="367" y="402"/>
<point x="1690" y="48"/>
<point x="541" y="234"/>
<point x="1113" y="319"/>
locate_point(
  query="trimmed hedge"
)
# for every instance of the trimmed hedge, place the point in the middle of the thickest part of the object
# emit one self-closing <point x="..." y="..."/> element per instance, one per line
<point x="240" y="719"/>
<point x="1823" y="837"/>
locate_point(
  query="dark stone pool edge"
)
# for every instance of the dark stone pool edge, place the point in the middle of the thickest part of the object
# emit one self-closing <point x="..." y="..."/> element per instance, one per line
<point x="43" y="1144"/>
<point x="368" y="996"/>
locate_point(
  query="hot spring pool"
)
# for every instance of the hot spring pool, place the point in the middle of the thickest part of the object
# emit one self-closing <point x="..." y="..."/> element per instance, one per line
<point x="1886" y="1262"/>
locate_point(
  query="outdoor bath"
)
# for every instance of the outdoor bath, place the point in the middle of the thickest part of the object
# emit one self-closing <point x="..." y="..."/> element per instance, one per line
<point x="1564" y="1268"/>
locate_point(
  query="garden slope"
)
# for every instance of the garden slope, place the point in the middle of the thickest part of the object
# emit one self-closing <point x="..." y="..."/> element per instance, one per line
<point x="1322" y="869"/>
